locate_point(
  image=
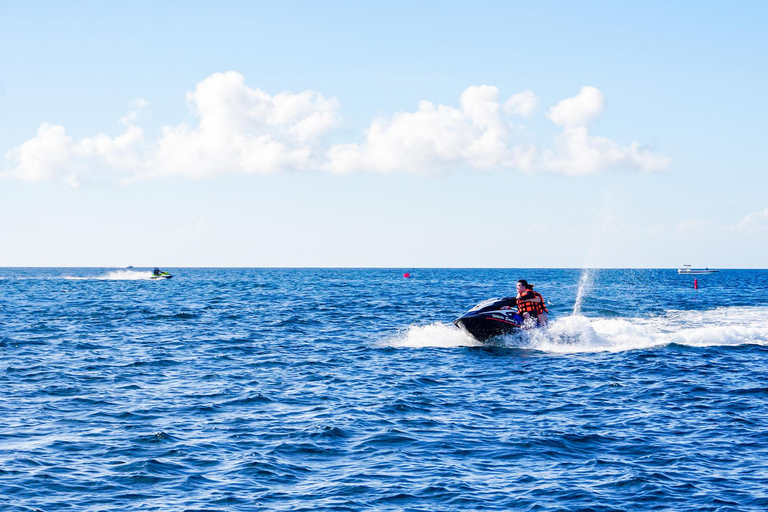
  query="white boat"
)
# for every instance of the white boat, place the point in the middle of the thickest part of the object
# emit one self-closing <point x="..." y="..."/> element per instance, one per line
<point x="688" y="270"/>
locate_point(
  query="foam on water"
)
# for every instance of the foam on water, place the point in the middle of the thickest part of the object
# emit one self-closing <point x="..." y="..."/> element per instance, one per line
<point x="729" y="326"/>
<point x="576" y="334"/>
<point x="127" y="275"/>
<point x="432" y="335"/>
<point x="117" y="275"/>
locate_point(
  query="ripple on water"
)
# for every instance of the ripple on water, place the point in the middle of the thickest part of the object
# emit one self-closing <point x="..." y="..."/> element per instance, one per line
<point x="349" y="389"/>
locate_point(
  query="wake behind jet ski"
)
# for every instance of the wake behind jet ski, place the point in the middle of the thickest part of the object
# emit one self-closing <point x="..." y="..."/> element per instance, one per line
<point x="491" y="318"/>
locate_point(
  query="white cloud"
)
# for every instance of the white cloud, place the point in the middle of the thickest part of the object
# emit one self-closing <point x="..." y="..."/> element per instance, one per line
<point x="522" y="104"/>
<point x="437" y="137"/>
<point x="139" y="106"/>
<point x="577" y="152"/>
<point x="579" y="110"/>
<point x="244" y="130"/>
<point x="443" y="137"/>
<point x="756" y="220"/>
<point x="239" y="129"/>
<point x="42" y="157"/>
<point x="52" y="155"/>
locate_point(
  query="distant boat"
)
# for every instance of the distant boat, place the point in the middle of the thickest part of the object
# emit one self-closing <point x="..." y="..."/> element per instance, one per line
<point x="688" y="270"/>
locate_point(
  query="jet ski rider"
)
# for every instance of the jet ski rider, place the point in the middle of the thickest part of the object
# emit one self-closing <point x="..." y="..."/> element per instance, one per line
<point x="531" y="303"/>
<point x="156" y="271"/>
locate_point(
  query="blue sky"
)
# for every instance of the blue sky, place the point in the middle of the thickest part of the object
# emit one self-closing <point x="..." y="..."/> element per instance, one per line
<point x="395" y="134"/>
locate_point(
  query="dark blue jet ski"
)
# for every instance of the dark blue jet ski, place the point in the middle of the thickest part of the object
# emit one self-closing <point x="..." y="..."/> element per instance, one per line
<point x="491" y="318"/>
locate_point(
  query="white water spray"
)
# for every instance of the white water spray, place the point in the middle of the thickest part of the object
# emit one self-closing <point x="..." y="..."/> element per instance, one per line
<point x="601" y="238"/>
<point x="116" y="275"/>
<point x="726" y="327"/>
<point x="585" y="284"/>
<point x="438" y="335"/>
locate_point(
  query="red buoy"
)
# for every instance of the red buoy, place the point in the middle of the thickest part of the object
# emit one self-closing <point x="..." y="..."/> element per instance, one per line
<point x="407" y="274"/>
<point x="695" y="284"/>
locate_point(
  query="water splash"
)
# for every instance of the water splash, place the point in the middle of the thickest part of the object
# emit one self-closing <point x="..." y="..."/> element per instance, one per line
<point x="585" y="284"/>
<point x="601" y="238"/>
<point x="127" y="275"/>
<point x="116" y="275"/>
<point x="727" y="326"/>
<point x="432" y="335"/>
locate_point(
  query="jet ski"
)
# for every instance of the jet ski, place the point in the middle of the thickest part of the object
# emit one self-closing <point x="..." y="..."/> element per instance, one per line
<point x="490" y="318"/>
<point x="161" y="275"/>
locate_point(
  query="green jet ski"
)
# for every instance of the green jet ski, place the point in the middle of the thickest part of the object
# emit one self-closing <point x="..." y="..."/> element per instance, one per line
<point x="158" y="274"/>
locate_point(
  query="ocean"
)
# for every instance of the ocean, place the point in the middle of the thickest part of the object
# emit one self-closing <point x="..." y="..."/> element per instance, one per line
<point x="350" y="390"/>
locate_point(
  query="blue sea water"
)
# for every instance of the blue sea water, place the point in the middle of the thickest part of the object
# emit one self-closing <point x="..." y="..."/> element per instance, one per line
<point x="349" y="389"/>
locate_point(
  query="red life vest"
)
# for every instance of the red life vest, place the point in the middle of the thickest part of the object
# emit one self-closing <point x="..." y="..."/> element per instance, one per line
<point x="532" y="307"/>
<point x="541" y="307"/>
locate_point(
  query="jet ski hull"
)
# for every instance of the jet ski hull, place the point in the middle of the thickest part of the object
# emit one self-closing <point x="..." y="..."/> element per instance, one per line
<point x="491" y="318"/>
